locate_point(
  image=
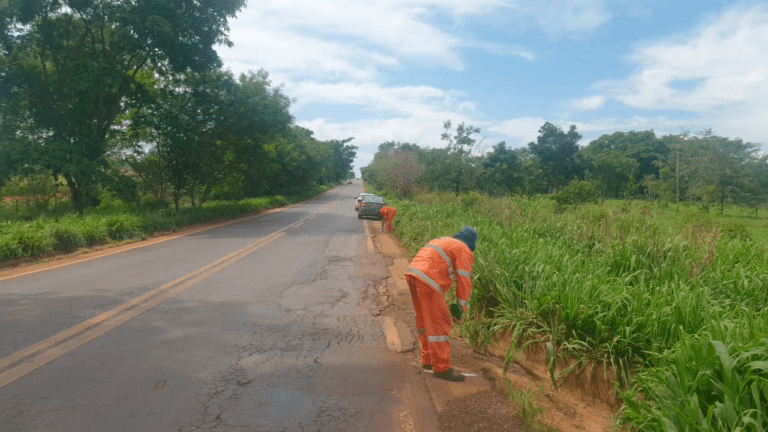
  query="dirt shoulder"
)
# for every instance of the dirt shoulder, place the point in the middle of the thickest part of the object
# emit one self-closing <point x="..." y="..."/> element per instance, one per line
<point x="479" y="404"/>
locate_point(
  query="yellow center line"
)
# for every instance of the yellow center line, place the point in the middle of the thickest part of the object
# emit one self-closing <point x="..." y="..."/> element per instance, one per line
<point x="117" y="316"/>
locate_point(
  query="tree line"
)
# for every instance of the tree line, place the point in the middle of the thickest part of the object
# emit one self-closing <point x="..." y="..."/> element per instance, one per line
<point x="129" y="97"/>
<point x="694" y="167"/>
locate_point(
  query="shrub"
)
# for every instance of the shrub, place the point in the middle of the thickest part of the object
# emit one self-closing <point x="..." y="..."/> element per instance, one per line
<point x="578" y="192"/>
<point x="94" y="231"/>
<point x="66" y="237"/>
<point x="123" y="227"/>
<point x="735" y="230"/>
<point x="30" y="240"/>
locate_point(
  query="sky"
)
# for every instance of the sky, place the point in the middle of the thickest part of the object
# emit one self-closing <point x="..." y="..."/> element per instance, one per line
<point x="395" y="70"/>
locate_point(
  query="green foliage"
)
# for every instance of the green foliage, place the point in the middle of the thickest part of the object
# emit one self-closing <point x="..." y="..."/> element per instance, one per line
<point x="123" y="223"/>
<point x="20" y="241"/>
<point x="73" y="65"/>
<point x="556" y="151"/>
<point x="711" y="382"/>
<point x="453" y="168"/>
<point x="503" y="170"/>
<point x="396" y="167"/>
<point x="616" y="285"/>
<point x="122" y="187"/>
<point x="623" y="158"/>
<point x="66" y="236"/>
<point x="578" y="192"/>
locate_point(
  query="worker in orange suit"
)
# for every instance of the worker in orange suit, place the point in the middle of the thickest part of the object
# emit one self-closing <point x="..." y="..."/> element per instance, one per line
<point x="432" y="272"/>
<point x="384" y="212"/>
<point x="387" y="214"/>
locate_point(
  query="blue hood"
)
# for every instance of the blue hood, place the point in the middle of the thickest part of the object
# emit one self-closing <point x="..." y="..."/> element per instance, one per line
<point x="468" y="235"/>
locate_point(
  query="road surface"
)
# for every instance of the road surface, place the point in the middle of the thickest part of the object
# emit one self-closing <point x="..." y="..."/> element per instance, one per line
<point x="265" y="324"/>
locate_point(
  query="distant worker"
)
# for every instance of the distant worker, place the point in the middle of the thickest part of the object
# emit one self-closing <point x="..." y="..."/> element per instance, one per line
<point x="387" y="214"/>
<point x="432" y="272"/>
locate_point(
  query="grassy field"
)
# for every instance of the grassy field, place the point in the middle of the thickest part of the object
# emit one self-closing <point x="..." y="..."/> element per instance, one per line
<point x="61" y="230"/>
<point x="675" y="302"/>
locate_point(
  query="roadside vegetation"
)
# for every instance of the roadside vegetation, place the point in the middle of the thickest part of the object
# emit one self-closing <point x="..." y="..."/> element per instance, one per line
<point x="640" y="258"/>
<point x="117" y="121"/>
<point x="674" y="309"/>
<point x="63" y="230"/>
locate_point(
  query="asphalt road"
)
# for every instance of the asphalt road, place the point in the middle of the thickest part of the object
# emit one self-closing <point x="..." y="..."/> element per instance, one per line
<point x="266" y="324"/>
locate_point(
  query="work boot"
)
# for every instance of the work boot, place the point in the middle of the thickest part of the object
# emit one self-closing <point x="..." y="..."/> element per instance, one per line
<point x="426" y="367"/>
<point x="450" y="375"/>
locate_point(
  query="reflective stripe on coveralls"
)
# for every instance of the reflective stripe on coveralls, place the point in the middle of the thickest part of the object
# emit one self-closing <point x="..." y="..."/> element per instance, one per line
<point x="430" y="275"/>
<point x="428" y="280"/>
<point x="462" y="302"/>
<point x="433" y="317"/>
<point x="445" y="257"/>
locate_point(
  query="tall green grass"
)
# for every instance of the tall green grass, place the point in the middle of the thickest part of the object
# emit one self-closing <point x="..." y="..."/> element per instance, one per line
<point x="53" y="233"/>
<point x="678" y="307"/>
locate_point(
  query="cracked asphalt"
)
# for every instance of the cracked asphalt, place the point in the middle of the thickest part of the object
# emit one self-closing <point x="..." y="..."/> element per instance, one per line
<point x="285" y="334"/>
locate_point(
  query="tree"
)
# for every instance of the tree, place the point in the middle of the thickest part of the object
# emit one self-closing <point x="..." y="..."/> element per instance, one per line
<point x="152" y="175"/>
<point x="396" y="166"/>
<point x="210" y="129"/>
<point x="504" y="169"/>
<point x="399" y="171"/>
<point x="343" y="157"/>
<point x="623" y="161"/>
<point x="615" y="172"/>
<point x="453" y="167"/>
<point x="71" y="65"/>
<point x="756" y="193"/>
<point x="720" y="170"/>
<point x="556" y="151"/>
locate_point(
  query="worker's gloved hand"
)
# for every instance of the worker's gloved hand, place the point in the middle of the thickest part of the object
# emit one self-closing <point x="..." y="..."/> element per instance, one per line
<point x="455" y="310"/>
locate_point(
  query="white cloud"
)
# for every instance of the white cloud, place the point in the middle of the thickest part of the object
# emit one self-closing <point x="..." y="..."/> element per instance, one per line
<point x="568" y="18"/>
<point x="518" y="132"/>
<point x="718" y="71"/>
<point x="393" y="29"/>
<point x="352" y="39"/>
<point x="507" y="50"/>
<point x="405" y="100"/>
<point x="294" y="55"/>
<point x="588" y="103"/>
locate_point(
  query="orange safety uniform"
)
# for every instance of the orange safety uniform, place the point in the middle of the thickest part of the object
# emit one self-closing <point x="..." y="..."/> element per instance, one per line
<point x="430" y="275"/>
<point x="387" y="214"/>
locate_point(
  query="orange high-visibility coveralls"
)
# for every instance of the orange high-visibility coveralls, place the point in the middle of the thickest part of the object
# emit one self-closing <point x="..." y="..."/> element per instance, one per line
<point x="431" y="274"/>
<point x="388" y="213"/>
<point x="384" y="212"/>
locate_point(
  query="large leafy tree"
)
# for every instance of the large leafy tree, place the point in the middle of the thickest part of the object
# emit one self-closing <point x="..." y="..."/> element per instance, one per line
<point x="453" y="167"/>
<point x="622" y="161"/>
<point x="210" y="129"/>
<point x="756" y="193"/>
<point x="71" y="64"/>
<point x="556" y="151"/>
<point x="343" y="156"/>
<point x="720" y="168"/>
<point x="396" y="166"/>
<point x="504" y="170"/>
